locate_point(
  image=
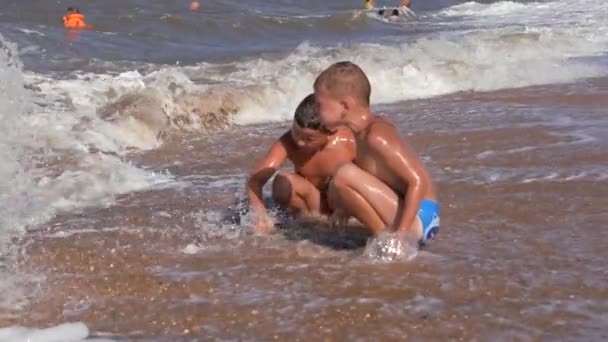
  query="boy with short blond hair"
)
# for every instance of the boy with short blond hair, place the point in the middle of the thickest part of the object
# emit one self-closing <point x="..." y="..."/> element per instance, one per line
<point x="386" y="187"/>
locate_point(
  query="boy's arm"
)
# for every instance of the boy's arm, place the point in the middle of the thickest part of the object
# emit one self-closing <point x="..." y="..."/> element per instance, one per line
<point x="403" y="163"/>
<point x="261" y="173"/>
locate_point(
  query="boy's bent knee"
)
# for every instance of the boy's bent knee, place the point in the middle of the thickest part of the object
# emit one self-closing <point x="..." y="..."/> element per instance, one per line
<point x="345" y="174"/>
<point x="341" y="180"/>
<point x="282" y="189"/>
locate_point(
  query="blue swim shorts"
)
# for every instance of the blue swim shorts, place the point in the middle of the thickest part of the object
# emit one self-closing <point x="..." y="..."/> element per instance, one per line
<point x="429" y="216"/>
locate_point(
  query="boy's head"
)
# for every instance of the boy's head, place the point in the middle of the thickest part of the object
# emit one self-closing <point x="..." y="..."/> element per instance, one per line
<point x="307" y="131"/>
<point x="70" y="10"/>
<point x="339" y="90"/>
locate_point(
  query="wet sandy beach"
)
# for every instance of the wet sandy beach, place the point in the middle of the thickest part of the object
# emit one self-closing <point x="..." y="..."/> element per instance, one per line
<point x="520" y="255"/>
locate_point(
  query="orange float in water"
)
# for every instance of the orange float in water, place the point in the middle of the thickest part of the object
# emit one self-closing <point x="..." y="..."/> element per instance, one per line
<point x="73" y="19"/>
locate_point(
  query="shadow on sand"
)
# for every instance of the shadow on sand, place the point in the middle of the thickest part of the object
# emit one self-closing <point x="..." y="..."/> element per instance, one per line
<point x="315" y="230"/>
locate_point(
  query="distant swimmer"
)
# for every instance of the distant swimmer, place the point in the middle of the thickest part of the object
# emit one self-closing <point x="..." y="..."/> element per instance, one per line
<point x="389" y="14"/>
<point x="370" y="4"/>
<point x="395" y="13"/>
<point x="73" y="19"/>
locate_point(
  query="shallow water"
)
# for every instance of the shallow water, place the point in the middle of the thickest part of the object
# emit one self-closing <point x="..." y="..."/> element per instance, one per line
<point x="122" y="170"/>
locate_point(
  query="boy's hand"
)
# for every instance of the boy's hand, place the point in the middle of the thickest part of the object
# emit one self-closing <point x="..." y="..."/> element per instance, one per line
<point x="261" y="173"/>
<point x="264" y="225"/>
<point x="338" y="219"/>
<point x="402" y="234"/>
<point x="407" y="235"/>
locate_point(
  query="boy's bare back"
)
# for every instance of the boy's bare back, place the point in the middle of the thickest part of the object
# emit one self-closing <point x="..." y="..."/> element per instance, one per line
<point x="387" y="186"/>
<point x="378" y="146"/>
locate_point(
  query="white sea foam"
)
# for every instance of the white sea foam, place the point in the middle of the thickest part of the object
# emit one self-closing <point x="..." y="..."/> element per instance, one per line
<point x="265" y="90"/>
<point x="500" y="8"/>
<point x="67" y="332"/>
<point x="388" y="247"/>
<point x="51" y="161"/>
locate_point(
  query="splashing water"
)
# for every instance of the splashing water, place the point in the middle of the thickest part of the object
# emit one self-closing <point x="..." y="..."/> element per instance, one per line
<point x="388" y="248"/>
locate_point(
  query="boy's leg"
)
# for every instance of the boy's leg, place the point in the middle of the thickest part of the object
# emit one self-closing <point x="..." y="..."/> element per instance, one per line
<point x="365" y="197"/>
<point x="292" y="191"/>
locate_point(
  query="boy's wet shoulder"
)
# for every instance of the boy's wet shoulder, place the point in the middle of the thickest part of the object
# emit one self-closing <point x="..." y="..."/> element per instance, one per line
<point x="378" y="130"/>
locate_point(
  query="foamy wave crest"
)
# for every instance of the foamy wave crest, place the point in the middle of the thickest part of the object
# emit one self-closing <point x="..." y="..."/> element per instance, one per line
<point x="479" y="9"/>
<point x="61" y="333"/>
<point x="49" y="164"/>
<point x="16" y="183"/>
<point x="135" y="110"/>
<point x="575" y="16"/>
<point x="132" y="109"/>
<point x="484" y="61"/>
<point x="13" y="177"/>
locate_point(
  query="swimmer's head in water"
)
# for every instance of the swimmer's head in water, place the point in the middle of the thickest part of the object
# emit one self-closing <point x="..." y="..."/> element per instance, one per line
<point x="307" y="131"/>
<point x="385" y="14"/>
<point x="70" y="10"/>
<point x="339" y="89"/>
<point x="368" y="4"/>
